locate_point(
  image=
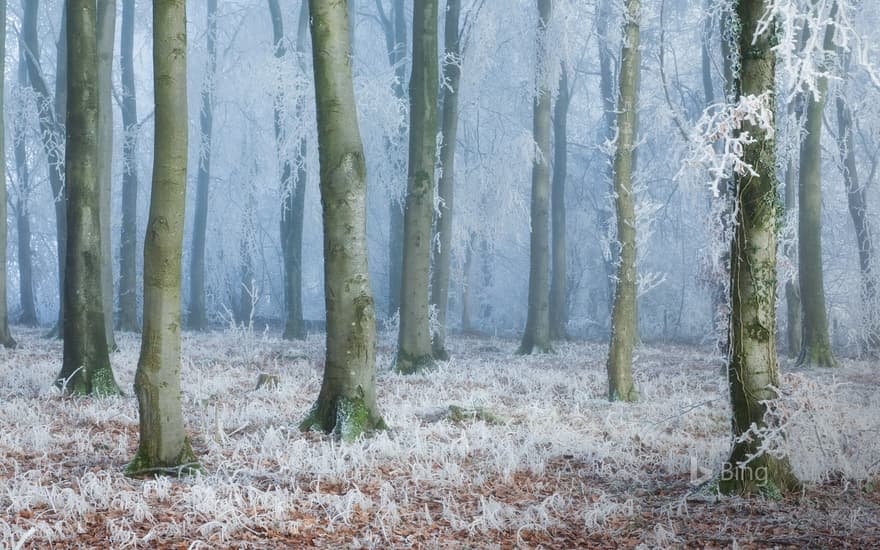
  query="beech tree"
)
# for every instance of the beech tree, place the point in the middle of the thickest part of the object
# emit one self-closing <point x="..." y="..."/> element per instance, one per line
<point x="106" y="40"/>
<point x="346" y="404"/>
<point x="86" y="366"/>
<point x="752" y="365"/>
<point x="5" y="337"/>
<point x="623" y="315"/>
<point x="558" y="275"/>
<point x="164" y="446"/>
<point x="414" y="351"/>
<point x="537" y="332"/>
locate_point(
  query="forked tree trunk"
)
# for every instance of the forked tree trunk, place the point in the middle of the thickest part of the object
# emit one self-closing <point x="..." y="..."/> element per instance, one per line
<point x="815" y="345"/>
<point x="752" y="368"/>
<point x="5" y="336"/>
<point x="128" y="320"/>
<point x="414" y="340"/>
<point x="623" y="316"/>
<point x="86" y="366"/>
<point x="164" y="446"/>
<point x="198" y="317"/>
<point x="536" y="336"/>
<point x="106" y="40"/>
<point x="446" y="187"/>
<point x="559" y="275"/>
<point x="346" y="404"/>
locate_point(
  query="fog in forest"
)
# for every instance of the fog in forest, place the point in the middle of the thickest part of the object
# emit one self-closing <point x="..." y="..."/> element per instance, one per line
<point x="532" y="273"/>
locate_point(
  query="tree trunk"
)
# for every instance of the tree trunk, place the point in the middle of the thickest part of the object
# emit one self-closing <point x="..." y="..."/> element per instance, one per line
<point x="466" y="323"/>
<point x="51" y="130"/>
<point x="858" y="209"/>
<point x="559" y="273"/>
<point x="752" y="367"/>
<point x="346" y="404"/>
<point x="293" y="191"/>
<point x="164" y="446"/>
<point x="198" y="317"/>
<point x="414" y="340"/>
<point x="794" y="328"/>
<point x="446" y="187"/>
<point x="86" y="366"/>
<point x="537" y="332"/>
<point x="606" y="89"/>
<point x="5" y="336"/>
<point x="623" y="316"/>
<point x="22" y="214"/>
<point x="106" y="39"/>
<point x="815" y="345"/>
<point x="128" y="320"/>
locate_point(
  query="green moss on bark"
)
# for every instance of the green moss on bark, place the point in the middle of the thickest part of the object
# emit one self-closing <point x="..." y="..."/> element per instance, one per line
<point x="406" y="363"/>
<point x="343" y="417"/>
<point x="184" y="465"/>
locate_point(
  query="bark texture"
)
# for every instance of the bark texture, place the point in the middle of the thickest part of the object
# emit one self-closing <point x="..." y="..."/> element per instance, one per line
<point x="85" y="368"/>
<point x="346" y="405"/>
<point x="446" y="186"/>
<point x="5" y="336"/>
<point x="536" y="336"/>
<point x="128" y="319"/>
<point x="752" y="366"/>
<point x="414" y="339"/>
<point x="164" y="446"/>
<point x="623" y="316"/>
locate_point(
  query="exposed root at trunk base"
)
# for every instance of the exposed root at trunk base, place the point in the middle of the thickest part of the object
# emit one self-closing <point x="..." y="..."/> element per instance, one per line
<point x="405" y="363"/>
<point x="343" y="417"/>
<point x="184" y="465"/>
<point x="764" y="476"/>
<point x="816" y="355"/>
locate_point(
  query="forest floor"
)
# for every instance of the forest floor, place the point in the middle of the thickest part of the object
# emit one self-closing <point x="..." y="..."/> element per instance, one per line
<point x="555" y="465"/>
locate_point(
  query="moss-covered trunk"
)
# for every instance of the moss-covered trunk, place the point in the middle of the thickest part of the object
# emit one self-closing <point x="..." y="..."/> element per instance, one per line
<point x="164" y="446"/>
<point x="127" y="292"/>
<point x="815" y="344"/>
<point x="446" y="187"/>
<point x="752" y="368"/>
<point x="559" y="275"/>
<point x="106" y="40"/>
<point x="86" y="366"/>
<point x="623" y="315"/>
<point x="5" y="337"/>
<point x="198" y="316"/>
<point x="414" y="351"/>
<point x="536" y="336"/>
<point x="346" y="404"/>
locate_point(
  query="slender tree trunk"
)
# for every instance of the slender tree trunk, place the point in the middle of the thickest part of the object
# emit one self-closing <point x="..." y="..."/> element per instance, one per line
<point x="5" y="336"/>
<point x="22" y="213"/>
<point x="51" y="130"/>
<point x="858" y="210"/>
<point x="246" y="284"/>
<point x="816" y="345"/>
<point x="198" y="317"/>
<point x="752" y="368"/>
<point x="414" y="340"/>
<point x="794" y="328"/>
<point x="86" y="366"/>
<point x="446" y="187"/>
<point x="346" y="405"/>
<point x="106" y="40"/>
<point x="623" y="316"/>
<point x="292" y="190"/>
<point x="128" y="320"/>
<point x="537" y="332"/>
<point x="466" y="323"/>
<point x="559" y="273"/>
<point x="163" y="445"/>
<point x="609" y="101"/>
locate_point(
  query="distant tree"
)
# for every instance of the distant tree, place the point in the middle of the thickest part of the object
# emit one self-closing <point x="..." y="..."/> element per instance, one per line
<point x="346" y="404"/>
<point x="624" y="315"/>
<point x="794" y="329"/>
<point x="815" y="344"/>
<point x="752" y="366"/>
<point x="446" y="187"/>
<point x="198" y="317"/>
<point x="51" y="128"/>
<point x="293" y="188"/>
<point x="106" y="41"/>
<point x="164" y="446"/>
<point x="558" y="273"/>
<point x="86" y="366"/>
<point x="128" y="320"/>
<point x="414" y="351"/>
<point x="537" y="332"/>
<point x="5" y="337"/>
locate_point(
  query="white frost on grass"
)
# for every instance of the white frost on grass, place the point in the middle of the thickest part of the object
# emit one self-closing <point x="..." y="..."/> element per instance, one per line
<point x="558" y="453"/>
